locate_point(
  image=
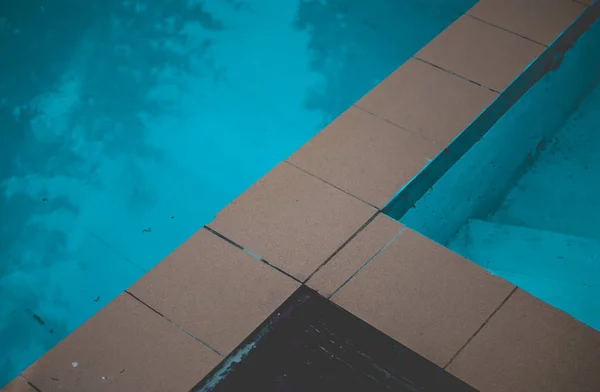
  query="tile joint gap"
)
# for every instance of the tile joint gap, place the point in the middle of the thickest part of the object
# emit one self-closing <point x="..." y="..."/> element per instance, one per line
<point x="330" y="184"/>
<point x="174" y="323"/>
<point x="403" y="129"/>
<point x="394" y="238"/>
<point x="487" y="320"/>
<point x="455" y="74"/>
<point x="281" y="271"/>
<point x="250" y="253"/>
<point x="505" y="29"/>
<point x="32" y="385"/>
<point x="221" y="236"/>
<point x="352" y="237"/>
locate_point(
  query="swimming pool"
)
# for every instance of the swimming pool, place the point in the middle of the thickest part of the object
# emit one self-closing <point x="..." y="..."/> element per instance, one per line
<point x="523" y="200"/>
<point x="126" y="125"/>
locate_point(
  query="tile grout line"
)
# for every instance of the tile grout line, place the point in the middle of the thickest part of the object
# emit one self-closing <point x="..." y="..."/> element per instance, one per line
<point x="35" y="388"/>
<point x="221" y="236"/>
<point x="338" y="250"/>
<point x="487" y="320"/>
<point x="330" y="184"/>
<point x="280" y="270"/>
<point x="368" y="262"/>
<point x="455" y="74"/>
<point x="505" y="29"/>
<point x="403" y="129"/>
<point x="250" y="253"/>
<point x="174" y="323"/>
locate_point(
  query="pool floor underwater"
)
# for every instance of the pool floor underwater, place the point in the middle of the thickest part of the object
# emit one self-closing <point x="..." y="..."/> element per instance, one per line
<point x="544" y="237"/>
<point x="139" y="120"/>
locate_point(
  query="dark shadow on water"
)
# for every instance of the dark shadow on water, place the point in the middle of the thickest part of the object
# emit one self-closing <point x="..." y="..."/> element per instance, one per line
<point x="356" y="44"/>
<point x="113" y="52"/>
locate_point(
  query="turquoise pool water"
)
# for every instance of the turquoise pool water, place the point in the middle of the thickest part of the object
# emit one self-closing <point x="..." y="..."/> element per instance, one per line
<point x="126" y="125"/>
<point x="524" y="200"/>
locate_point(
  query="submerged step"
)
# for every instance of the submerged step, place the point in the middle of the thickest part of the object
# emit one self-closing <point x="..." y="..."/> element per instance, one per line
<point x="560" y="269"/>
<point x="530" y="252"/>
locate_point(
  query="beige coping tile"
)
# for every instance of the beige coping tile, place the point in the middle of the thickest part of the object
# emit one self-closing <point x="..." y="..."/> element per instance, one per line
<point x="354" y="255"/>
<point x="424" y="296"/>
<point x="529" y="346"/>
<point x="292" y="219"/>
<point x="427" y="101"/>
<point x="539" y="20"/>
<point x="481" y="52"/>
<point x="18" y="385"/>
<point x="125" y="347"/>
<point x="214" y="290"/>
<point x="365" y="156"/>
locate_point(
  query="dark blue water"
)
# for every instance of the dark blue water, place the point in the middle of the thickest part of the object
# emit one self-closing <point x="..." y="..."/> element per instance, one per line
<point x="126" y="125"/>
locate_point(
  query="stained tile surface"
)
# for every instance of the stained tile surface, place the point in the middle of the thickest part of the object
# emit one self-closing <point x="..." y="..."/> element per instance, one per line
<point x="423" y="295"/>
<point x="364" y="155"/>
<point x="538" y="20"/>
<point x="292" y="219"/>
<point x="18" y="385"/>
<point x="125" y="347"/>
<point x="480" y="52"/>
<point x="427" y="101"/>
<point x="354" y="255"/>
<point x="214" y="290"/>
<point x="529" y="346"/>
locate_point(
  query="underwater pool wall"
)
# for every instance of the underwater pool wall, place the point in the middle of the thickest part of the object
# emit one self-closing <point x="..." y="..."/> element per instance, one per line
<point x="478" y="168"/>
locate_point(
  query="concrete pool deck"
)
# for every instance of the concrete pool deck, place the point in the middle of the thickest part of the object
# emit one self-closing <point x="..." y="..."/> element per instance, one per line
<point x="315" y="219"/>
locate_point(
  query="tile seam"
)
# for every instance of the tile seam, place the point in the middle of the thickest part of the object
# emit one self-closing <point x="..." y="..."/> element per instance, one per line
<point x="251" y="253"/>
<point x="221" y="236"/>
<point x="367" y="262"/>
<point x="281" y="271"/>
<point x="330" y="184"/>
<point x="338" y="250"/>
<point x="402" y="128"/>
<point x="455" y="74"/>
<point x="25" y="380"/>
<point x="175" y="324"/>
<point x="505" y="29"/>
<point x="487" y="320"/>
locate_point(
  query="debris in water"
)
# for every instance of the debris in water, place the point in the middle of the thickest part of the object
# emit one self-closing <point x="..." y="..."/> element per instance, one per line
<point x="38" y="319"/>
